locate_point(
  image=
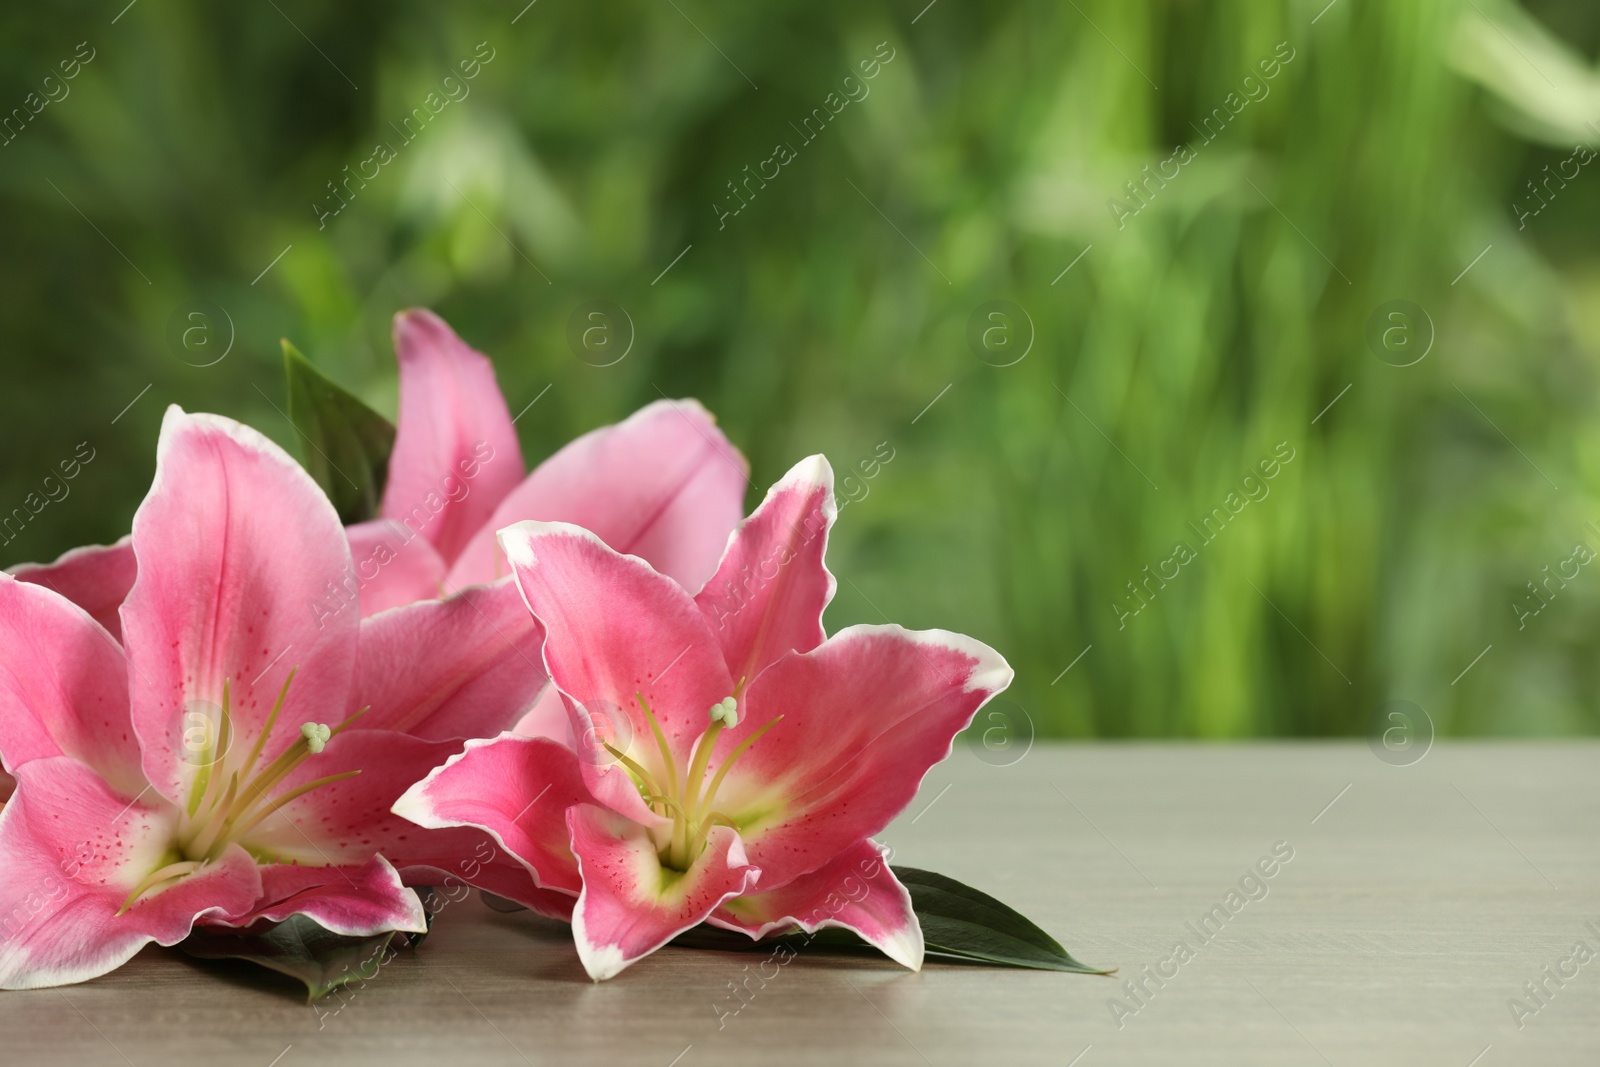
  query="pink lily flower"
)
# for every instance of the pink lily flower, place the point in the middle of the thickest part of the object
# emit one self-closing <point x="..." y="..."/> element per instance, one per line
<point x="664" y="484"/>
<point x="235" y="759"/>
<point x="744" y="759"/>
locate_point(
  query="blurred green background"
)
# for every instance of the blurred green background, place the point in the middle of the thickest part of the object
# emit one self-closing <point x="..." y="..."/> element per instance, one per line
<point x="1194" y="335"/>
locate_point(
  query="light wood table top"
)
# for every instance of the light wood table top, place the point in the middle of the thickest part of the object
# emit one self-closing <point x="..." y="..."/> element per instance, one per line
<point x="1416" y="904"/>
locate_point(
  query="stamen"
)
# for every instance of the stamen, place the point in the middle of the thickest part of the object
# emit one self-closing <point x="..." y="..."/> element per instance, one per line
<point x="225" y="733"/>
<point x="217" y="817"/>
<point x="155" y="878"/>
<point x="275" y="772"/>
<point x="266" y="727"/>
<point x="215" y="821"/>
<point x="215" y="748"/>
<point x="342" y="727"/>
<point x="661" y="743"/>
<point x="716" y="818"/>
<point x="727" y="764"/>
<point x="293" y="794"/>
<point x="702" y="757"/>
<point x="654" y="799"/>
<point x="723" y="713"/>
<point x="200" y="843"/>
<point x="642" y="776"/>
<point x="684" y="799"/>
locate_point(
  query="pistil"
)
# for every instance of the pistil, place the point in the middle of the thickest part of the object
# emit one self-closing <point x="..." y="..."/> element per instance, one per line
<point x="687" y="798"/>
<point x="218" y="816"/>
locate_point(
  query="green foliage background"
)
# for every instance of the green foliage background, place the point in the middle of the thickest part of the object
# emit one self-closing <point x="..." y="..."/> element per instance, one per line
<point x="1215" y="323"/>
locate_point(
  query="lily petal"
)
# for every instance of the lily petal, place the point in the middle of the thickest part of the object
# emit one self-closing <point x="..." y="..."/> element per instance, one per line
<point x="471" y="857"/>
<point x="356" y="901"/>
<point x="468" y="666"/>
<point x="615" y="631"/>
<point x="63" y="687"/>
<point x="73" y="849"/>
<point x="769" y="592"/>
<point x="515" y="788"/>
<point x="664" y="484"/>
<point x="394" y="565"/>
<point x="865" y="715"/>
<point x="857" y="891"/>
<point x="548" y="718"/>
<point x="630" y="906"/>
<point x="456" y="454"/>
<point x="95" y="577"/>
<point x="236" y="546"/>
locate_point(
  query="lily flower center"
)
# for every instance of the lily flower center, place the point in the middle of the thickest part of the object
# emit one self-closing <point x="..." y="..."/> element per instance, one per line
<point x="231" y="797"/>
<point x="687" y="797"/>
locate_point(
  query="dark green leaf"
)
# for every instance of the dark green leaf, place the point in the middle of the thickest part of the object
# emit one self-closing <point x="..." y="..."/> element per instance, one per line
<point x="960" y="921"/>
<point x="347" y="444"/>
<point x="299" y="948"/>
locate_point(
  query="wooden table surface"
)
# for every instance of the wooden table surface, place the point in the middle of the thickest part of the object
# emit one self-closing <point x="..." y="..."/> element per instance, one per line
<point x="1415" y="906"/>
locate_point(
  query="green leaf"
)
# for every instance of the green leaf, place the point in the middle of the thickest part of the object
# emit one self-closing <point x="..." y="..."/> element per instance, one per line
<point x="958" y="923"/>
<point x="967" y="923"/>
<point x="347" y="443"/>
<point x="299" y="948"/>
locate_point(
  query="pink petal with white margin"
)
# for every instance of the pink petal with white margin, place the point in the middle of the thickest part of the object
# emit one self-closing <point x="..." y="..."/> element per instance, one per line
<point x="464" y="667"/>
<point x="354" y="901"/>
<point x="614" y="628"/>
<point x="456" y="454"/>
<point x="236" y="545"/>
<point x="865" y="715"/>
<point x="769" y="592"/>
<point x="394" y="565"/>
<point x="629" y="906"/>
<point x="516" y="788"/>
<point x="664" y="485"/>
<point x="857" y="891"/>
<point x="72" y="850"/>
<point x="340" y="826"/>
<point x="63" y="687"/>
<point x="471" y="857"/>
<point x="95" y="577"/>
